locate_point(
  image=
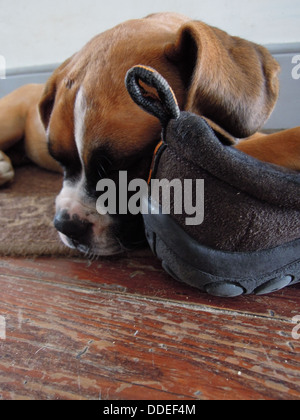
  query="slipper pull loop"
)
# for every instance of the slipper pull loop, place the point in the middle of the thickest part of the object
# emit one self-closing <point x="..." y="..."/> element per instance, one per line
<point x="165" y="106"/>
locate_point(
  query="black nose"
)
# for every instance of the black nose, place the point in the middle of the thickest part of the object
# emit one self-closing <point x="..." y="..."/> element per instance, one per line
<point x="74" y="227"/>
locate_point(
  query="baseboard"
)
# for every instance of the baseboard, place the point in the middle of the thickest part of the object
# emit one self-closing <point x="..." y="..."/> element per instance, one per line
<point x="287" y="111"/>
<point x="285" y="115"/>
<point x="16" y="78"/>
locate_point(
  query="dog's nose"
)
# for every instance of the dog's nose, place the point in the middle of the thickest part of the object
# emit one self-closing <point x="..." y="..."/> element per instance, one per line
<point x="73" y="227"/>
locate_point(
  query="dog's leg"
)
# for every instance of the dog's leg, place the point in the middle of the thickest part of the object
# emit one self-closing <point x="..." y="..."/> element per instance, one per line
<point x="13" y="113"/>
<point x="19" y="119"/>
<point x="282" y="148"/>
<point x="6" y="169"/>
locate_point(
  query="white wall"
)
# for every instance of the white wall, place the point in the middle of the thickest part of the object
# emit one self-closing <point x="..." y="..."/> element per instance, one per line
<point x="37" y="32"/>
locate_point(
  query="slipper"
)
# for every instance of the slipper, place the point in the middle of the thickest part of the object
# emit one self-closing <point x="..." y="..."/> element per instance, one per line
<point x="246" y="236"/>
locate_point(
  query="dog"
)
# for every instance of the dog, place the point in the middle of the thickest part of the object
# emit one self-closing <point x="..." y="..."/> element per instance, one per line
<point x="82" y="121"/>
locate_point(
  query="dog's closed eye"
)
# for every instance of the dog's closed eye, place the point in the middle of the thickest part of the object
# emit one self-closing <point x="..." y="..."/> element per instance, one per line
<point x="104" y="165"/>
<point x="99" y="167"/>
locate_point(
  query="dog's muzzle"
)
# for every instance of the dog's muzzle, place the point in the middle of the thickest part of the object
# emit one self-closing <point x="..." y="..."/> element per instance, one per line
<point x="124" y="234"/>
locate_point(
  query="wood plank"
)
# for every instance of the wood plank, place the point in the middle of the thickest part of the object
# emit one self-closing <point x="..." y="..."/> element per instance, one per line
<point x="70" y="337"/>
<point x="144" y="276"/>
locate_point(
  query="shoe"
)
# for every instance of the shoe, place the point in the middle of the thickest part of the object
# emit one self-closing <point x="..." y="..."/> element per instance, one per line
<point x="249" y="238"/>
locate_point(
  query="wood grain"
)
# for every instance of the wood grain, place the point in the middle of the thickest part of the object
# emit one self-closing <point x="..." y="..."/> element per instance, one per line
<point x="123" y="329"/>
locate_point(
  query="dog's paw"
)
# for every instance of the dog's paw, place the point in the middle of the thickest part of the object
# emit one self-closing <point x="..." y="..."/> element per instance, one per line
<point x="6" y="170"/>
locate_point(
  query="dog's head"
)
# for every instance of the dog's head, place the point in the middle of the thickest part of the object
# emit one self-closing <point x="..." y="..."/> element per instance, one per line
<point x="95" y="130"/>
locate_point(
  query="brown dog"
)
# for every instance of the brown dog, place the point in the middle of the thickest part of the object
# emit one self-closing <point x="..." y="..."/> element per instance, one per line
<point x="86" y="119"/>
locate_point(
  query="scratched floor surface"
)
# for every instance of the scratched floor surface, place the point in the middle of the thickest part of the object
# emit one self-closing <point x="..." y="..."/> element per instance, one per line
<point x="122" y="329"/>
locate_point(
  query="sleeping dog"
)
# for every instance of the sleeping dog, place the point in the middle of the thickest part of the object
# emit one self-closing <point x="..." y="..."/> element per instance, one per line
<point x="83" y="122"/>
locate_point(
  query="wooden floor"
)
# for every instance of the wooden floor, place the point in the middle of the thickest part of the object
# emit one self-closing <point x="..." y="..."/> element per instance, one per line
<point x="122" y="329"/>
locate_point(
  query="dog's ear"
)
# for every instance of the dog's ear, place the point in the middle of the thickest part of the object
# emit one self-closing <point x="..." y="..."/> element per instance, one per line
<point x="48" y="97"/>
<point x="47" y="101"/>
<point x="229" y="80"/>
